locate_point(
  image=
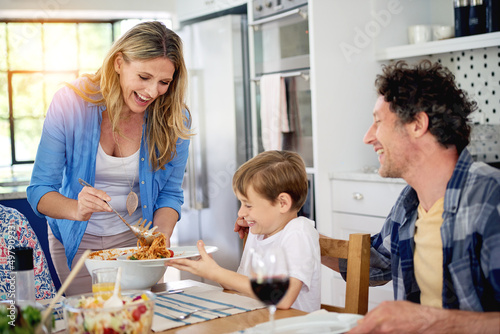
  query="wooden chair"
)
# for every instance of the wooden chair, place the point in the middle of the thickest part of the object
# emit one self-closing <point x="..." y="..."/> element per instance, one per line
<point x="357" y="252"/>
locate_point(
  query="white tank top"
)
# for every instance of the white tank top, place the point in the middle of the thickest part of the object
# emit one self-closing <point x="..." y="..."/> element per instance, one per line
<point x="114" y="175"/>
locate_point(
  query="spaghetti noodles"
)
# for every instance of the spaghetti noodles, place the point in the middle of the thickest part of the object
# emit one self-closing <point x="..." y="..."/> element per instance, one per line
<point x="157" y="250"/>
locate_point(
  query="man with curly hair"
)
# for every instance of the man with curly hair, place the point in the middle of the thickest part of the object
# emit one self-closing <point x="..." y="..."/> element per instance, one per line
<point x="440" y="244"/>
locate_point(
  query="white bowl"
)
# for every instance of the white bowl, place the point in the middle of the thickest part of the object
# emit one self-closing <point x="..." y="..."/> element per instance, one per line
<point x="135" y="275"/>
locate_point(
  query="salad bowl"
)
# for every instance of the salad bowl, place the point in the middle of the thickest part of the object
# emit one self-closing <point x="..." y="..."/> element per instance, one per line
<point x="87" y="314"/>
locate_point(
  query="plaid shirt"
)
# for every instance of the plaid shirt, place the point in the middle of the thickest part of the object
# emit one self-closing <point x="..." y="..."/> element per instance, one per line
<point x="470" y="235"/>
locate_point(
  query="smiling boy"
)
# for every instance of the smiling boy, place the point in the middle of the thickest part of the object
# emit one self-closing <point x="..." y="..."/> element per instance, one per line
<point x="272" y="187"/>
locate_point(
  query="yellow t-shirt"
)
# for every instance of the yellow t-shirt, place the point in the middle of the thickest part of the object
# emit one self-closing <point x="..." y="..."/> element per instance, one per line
<point x="428" y="256"/>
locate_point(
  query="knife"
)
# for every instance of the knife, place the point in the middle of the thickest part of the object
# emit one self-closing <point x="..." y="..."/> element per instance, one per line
<point x="169" y="292"/>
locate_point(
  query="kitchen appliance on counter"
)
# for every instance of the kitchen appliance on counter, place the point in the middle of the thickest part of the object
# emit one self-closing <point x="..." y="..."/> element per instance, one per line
<point x="218" y="102"/>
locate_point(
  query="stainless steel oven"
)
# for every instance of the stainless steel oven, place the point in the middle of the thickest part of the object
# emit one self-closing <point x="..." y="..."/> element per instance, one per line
<point x="281" y="35"/>
<point x="281" y="46"/>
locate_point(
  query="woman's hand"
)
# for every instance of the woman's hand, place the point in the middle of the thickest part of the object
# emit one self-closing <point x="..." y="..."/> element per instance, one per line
<point x="165" y="219"/>
<point x="241" y="226"/>
<point x="91" y="200"/>
<point x="205" y="267"/>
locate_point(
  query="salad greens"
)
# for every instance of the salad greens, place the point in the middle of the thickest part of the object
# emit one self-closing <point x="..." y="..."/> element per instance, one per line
<point x="19" y="320"/>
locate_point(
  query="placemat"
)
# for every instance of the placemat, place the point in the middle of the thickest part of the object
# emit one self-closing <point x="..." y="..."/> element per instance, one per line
<point x="168" y="307"/>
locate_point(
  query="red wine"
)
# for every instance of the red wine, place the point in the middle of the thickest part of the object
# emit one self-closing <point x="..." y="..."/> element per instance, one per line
<point x="270" y="290"/>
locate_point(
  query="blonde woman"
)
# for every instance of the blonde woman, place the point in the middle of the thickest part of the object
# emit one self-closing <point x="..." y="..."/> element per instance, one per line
<point x="125" y="130"/>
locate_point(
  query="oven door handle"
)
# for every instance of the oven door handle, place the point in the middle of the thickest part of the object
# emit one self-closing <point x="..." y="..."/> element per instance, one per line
<point x="304" y="75"/>
<point x="297" y="11"/>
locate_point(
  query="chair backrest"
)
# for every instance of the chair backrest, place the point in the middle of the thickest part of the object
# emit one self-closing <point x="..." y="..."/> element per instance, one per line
<point x="357" y="252"/>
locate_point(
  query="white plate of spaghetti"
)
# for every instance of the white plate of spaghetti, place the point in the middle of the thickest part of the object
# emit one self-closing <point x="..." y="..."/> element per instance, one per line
<point x="181" y="252"/>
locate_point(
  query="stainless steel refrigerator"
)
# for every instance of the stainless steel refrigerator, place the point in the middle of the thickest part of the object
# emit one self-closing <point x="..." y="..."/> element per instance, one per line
<point x="216" y="57"/>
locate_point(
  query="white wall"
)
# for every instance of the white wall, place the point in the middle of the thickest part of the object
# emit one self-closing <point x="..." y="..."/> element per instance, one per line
<point x="343" y="93"/>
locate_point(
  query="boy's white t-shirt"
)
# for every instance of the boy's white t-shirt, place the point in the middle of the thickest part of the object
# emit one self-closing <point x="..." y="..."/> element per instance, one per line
<point x="300" y="241"/>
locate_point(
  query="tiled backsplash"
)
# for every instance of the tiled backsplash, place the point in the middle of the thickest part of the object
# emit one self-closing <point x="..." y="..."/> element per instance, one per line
<point x="478" y="72"/>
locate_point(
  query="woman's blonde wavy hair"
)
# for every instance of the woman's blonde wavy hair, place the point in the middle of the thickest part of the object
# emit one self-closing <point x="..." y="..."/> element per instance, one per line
<point x="166" y="121"/>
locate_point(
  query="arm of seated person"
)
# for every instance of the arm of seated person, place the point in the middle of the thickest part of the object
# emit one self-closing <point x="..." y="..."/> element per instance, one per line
<point x="291" y="295"/>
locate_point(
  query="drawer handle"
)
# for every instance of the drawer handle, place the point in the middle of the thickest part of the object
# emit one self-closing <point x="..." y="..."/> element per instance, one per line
<point x="357" y="196"/>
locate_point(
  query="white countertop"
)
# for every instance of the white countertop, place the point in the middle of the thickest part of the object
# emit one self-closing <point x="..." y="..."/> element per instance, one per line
<point x="369" y="176"/>
<point x="13" y="181"/>
<point x="7" y="193"/>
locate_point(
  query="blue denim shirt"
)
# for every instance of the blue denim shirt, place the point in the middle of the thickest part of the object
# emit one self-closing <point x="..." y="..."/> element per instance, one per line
<point x="470" y="235"/>
<point x="67" y="151"/>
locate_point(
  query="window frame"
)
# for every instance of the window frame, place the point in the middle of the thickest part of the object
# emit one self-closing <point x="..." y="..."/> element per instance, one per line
<point x="9" y="73"/>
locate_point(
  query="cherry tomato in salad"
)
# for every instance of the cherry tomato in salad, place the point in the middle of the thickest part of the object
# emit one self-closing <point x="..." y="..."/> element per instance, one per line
<point x="136" y="314"/>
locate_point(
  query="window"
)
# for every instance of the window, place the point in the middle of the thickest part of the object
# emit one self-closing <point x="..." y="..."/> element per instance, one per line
<point x="35" y="60"/>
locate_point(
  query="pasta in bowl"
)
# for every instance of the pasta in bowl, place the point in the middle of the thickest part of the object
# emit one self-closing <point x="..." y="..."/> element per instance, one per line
<point x="157" y="250"/>
<point x="181" y="252"/>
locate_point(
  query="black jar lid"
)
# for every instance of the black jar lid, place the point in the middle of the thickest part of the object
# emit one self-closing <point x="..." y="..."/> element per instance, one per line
<point x="23" y="258"/>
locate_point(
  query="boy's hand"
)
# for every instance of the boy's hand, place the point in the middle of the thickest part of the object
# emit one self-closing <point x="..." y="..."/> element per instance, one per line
<point x="204" y="267"/>
<point x="241" y="227"/>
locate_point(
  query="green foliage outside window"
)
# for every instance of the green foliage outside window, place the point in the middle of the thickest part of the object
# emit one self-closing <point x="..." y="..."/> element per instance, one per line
<point x="35" y="60"/>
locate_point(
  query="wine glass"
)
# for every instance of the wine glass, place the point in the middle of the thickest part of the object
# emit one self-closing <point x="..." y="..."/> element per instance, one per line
<point x="269" y="277"/>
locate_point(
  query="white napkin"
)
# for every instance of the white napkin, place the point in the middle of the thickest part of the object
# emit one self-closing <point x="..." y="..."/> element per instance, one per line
<point x="168" y="307"/>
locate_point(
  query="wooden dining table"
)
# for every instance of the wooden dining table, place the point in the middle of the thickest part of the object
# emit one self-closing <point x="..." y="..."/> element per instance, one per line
<point x="229" y="324"/>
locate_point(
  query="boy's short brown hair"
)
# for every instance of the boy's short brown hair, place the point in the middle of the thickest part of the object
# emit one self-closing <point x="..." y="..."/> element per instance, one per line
<point x="272" y="173"/>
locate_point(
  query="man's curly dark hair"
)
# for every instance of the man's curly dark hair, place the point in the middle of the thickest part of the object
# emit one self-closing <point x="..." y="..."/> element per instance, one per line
<point x="430" y="88"/>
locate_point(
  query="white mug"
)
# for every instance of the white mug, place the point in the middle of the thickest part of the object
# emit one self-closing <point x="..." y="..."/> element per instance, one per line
<point x="419" y="34"/>
<point x="442" y="32"/>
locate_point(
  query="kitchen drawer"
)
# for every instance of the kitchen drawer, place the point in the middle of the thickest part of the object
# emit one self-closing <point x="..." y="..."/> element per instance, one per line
<point x="365" y="198"/>
<point x="345" y="224"/>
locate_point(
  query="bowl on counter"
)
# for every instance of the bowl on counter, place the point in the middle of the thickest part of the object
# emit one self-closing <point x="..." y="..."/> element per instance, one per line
<point x="87" y="314"/>
<point x="135" y="275"/>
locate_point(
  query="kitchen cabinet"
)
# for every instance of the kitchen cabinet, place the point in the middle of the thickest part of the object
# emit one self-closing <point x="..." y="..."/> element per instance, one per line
<point x="360" y="204"/>
<point x="192" y="9"/>
<point x="472" y="59"/>
<point x="391" y="20"/>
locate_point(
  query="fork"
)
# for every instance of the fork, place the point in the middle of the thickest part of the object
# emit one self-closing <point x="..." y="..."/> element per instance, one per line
<point x="187" y="315"/>
<point x="140" y="229"/>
